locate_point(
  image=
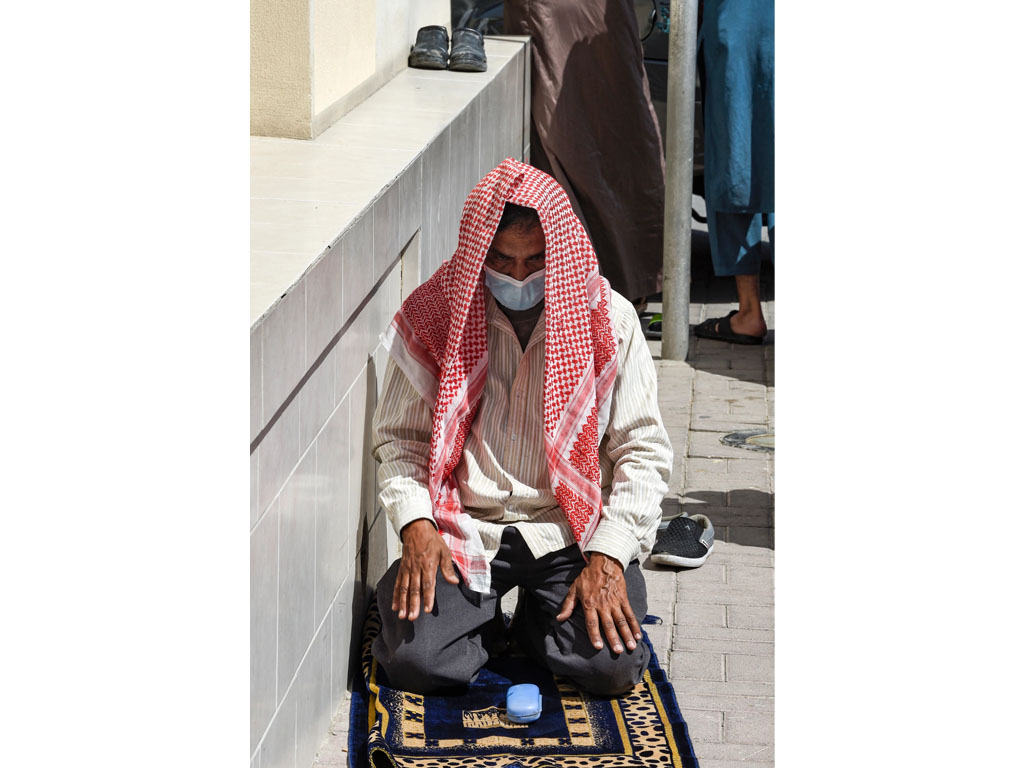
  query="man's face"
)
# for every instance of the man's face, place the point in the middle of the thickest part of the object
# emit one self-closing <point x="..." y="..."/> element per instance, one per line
<point x="517" y="252"/>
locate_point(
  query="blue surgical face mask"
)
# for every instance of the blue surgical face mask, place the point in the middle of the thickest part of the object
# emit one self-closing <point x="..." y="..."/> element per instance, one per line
<point x="513" y="294"/>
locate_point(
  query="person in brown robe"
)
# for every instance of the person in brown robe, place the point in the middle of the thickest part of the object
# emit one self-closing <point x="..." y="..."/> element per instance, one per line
<point x="594" y="129"/>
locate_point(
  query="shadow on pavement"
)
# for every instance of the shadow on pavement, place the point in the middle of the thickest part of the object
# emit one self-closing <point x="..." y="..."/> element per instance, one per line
<point x="743" y="516"/>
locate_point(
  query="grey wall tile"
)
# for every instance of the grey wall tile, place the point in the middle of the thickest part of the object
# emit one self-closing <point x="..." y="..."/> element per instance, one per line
<point x="522" y="127"/>
<point x="332" y="508"/>
<point x="465" y="145"/>
<point x="386" y="227"/>
<point x="255" y="381"/>
<point x="344" y="647"/>
<point x="295" y="623"/>
<point x="435" y="203"/>
<point x="388" y="302"/>
<point x="429" y="178"/>
<point x="323" y="303"/>
<point x="410" y="191"/>
<point x="527" y="55"/>
<point x="510" y="88"/>
<point x="357" y="267"/>
<point x="316" y="399"/>
<point x="313" y="712"/>
<point x="452" y="211"/>
<point x="253" y="487"/>
<point x="284" y="349"/>
<point x="379" y="314"/>
<point x="353" y="352"/>
<point x="278" y="750"/>
<point x="393" y="288"/>
<point x="362" y="468"/>
<point x="262" y="625"/>
<point x="491" y="111"/>
<point x="412" y="267"/>
<point x="279" y="452"/>
<point x="380" y="362"/>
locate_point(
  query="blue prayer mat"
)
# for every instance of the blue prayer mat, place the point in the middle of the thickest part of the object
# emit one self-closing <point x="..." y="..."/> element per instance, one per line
<point x="394" y="728"/>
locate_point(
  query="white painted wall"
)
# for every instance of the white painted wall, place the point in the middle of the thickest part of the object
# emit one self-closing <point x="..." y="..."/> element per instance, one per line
<point x="313" y="60"/>
<point x="345" y="37"/>
<point x="279" y="73"/>
<point x="344" y="74"/>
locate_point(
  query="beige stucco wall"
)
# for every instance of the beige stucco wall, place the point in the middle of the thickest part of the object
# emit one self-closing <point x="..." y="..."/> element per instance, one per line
<point x="279" y="75"/>
<point x="344" y="48"/>
<point x="314" y="60"/>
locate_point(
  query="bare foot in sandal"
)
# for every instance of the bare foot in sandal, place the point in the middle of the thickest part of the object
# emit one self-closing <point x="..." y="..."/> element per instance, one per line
<point x="745" y="325"/>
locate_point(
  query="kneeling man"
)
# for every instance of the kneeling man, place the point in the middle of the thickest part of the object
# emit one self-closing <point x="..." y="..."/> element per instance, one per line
<point x="520" y="445"/>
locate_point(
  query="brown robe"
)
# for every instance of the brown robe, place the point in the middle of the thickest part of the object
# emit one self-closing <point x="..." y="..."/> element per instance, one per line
<point x="595" y="130"/>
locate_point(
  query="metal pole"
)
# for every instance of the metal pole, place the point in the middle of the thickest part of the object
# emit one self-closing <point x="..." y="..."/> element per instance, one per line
<point x="682" y="70"/>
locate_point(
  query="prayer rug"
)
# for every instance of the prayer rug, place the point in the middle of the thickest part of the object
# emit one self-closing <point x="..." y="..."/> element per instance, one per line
<point x="389" y="728"/>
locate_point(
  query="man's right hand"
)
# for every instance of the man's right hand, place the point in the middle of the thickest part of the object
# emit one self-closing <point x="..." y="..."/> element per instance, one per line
<point x="423" y="550"/>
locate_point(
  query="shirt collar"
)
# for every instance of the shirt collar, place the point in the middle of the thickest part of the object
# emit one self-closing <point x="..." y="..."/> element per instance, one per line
<point x="495" y="316"/>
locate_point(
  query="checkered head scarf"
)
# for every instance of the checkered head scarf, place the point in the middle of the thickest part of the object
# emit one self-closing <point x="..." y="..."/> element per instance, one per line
<point x="439" y="340"/>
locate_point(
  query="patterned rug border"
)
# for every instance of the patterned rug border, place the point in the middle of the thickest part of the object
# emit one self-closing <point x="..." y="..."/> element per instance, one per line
<point x="665" y="700"/>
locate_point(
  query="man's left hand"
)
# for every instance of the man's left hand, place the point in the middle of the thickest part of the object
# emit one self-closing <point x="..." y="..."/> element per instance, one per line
<point x="601" y="591"/>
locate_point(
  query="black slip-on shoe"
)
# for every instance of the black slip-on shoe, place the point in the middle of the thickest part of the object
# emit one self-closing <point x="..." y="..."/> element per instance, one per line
<point x="431" y="49"/>
<point x="467" y="51"/>
<point x="685" y="542"/>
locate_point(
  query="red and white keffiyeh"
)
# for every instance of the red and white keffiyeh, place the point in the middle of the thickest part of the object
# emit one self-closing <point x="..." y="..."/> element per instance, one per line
<point x="439" y="340"/>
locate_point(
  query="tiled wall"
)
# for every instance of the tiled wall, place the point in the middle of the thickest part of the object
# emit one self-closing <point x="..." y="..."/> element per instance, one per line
<point x="318" y="539"/>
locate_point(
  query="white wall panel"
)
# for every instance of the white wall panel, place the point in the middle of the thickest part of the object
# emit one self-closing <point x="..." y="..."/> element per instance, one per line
<point x="262" y="625"/>
<point x="279" y="452"/>
<point x="284" y="349"/>
<point x="332" y="508"/>
<point x="313" y="685"/>
<point x="297" y="564"/>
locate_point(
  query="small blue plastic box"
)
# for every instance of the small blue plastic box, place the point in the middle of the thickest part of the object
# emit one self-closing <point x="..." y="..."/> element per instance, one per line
<point x="523" y="703"/>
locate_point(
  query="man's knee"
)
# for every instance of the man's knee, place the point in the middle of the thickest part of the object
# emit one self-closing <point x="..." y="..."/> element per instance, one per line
<point x="410" y="668"/>
<point x="607" y="674"/>
<point x="423" y="655"/>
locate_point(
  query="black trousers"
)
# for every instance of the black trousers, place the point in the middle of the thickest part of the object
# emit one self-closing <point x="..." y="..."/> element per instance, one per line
<point x="448" y="646"/>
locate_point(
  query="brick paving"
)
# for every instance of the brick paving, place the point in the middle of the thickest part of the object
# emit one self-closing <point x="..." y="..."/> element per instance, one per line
<point x="717" y="637"/>
<point x="720" y="650"/>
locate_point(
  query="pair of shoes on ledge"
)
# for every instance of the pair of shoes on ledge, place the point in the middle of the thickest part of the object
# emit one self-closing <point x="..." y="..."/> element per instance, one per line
<point x="431" y="50"/>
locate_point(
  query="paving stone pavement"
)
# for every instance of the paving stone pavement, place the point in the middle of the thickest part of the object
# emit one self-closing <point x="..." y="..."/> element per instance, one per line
<point x="717" y="637"/>
<point x="720" y="652"/>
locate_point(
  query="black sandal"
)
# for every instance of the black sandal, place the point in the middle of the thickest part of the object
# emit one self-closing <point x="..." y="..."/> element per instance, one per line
<point x="720" y="329"/>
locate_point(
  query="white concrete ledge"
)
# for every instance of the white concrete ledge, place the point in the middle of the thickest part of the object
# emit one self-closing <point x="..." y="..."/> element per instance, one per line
<point x="306" y="194"/>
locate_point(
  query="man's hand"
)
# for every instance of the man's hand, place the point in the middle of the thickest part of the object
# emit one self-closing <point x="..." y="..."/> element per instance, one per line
<point x="601" y="591"/>
<point x="423" y="550"/>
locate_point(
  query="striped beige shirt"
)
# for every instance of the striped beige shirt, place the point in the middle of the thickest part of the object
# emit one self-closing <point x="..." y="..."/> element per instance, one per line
<point x="503" y="475"/>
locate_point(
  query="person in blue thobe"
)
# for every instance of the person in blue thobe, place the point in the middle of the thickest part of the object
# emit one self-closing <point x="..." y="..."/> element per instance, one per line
<point x="739" y="154"/>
